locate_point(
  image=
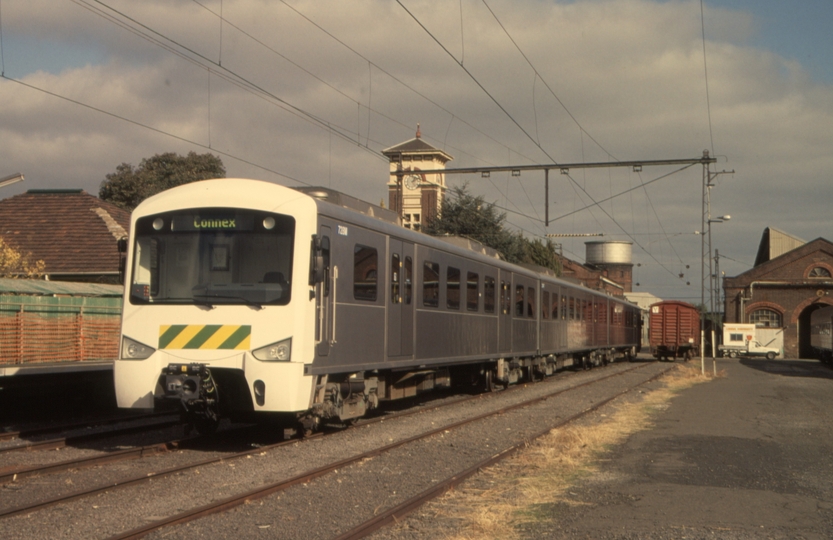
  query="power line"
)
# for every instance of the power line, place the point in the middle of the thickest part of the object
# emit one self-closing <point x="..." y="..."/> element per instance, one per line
<point x="156" y="130"/>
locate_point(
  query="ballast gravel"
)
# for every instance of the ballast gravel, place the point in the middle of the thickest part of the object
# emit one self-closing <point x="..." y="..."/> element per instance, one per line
<point x="321" y="508"/>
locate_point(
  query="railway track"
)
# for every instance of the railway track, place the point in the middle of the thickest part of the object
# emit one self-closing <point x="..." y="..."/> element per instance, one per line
<point x="265" y="490"/>
<point x="8" y="435"/>
<point x="412" y="503"/>
<point x="61" y="442"/>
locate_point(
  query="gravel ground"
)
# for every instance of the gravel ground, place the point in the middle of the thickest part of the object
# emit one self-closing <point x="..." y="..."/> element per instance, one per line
<point x="743" y="457"/>
<point x="317" y="509"/>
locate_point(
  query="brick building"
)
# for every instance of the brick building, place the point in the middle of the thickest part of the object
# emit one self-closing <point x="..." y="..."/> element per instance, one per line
<point x="417" y="194"/>
<point x="791" y="279"/>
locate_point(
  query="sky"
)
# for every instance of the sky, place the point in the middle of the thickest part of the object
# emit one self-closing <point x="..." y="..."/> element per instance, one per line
<point x="309" y="92"/>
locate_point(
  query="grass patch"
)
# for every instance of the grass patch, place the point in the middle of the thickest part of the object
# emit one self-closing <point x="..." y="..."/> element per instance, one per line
<point x="533" y="485"/>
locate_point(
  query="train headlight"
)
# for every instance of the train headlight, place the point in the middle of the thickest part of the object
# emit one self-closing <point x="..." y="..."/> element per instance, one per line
<point x="276" y="352"/>
<point x="133" y="350"/>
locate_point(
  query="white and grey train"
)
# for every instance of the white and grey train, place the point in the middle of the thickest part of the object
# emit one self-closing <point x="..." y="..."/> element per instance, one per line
<point x="248" y="298"/>
<point x="821" y="333"/>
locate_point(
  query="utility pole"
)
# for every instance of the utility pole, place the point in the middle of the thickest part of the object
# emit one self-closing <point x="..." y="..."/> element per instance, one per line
<point x="706" y="254"/>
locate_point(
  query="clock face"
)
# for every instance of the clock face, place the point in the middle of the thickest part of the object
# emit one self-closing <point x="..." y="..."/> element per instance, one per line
<point x="412" y="181"/>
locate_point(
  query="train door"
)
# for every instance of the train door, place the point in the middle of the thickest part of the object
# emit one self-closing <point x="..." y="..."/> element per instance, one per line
<point x="401" y="299"/>
<point x="323" y="299"/>
<point x="505" y="313"/>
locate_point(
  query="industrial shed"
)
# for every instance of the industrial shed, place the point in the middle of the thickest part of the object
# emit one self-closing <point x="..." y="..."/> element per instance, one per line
<point x="791" y="279"/>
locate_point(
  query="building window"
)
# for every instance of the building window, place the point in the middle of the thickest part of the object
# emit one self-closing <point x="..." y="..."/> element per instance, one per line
<point x="765" y="318"/>
<point x="819" y="272"/>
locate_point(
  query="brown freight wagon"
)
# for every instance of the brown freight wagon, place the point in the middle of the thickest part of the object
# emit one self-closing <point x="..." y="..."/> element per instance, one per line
<point x="674" y="330"/>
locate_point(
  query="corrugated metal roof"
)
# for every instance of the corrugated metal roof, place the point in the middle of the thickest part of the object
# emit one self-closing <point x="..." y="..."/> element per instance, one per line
<point x="775" y="243"/>
<point x="66" y="288"/>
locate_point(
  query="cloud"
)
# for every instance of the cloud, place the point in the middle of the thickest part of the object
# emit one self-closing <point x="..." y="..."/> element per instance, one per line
<point x="286" y="102"/>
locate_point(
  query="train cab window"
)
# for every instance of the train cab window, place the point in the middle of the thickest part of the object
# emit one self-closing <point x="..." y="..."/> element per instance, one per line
<point x="452" y="288"/>
<point x="472" y="291"/>
<point x="530" y="303"/>
<point x="519" y="301"/>
<point x="489" y="294"/>
<point x="431" y="284"/>
<point x="545" y="305"/>
<point x="395" y="275"/>
<point x="213" y="256"/>
<point x="409" y="279"/>
<point x="365" y="268"/>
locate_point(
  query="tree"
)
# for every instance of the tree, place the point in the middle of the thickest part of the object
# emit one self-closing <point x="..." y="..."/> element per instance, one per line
<point x="14" y="264"/>
<point x="129" y="186"/>
<point x="463" y="214"/>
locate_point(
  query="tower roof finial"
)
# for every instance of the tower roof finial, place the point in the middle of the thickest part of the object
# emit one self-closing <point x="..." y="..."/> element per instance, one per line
<point x="419" y="133"/>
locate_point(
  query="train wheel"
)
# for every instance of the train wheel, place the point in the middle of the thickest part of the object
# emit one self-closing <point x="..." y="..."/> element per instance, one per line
<point x="489" y="384"/>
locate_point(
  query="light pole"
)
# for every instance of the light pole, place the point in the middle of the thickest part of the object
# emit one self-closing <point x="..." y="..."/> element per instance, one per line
<point x="713" y="279"/>
<point x="11" y="179"/>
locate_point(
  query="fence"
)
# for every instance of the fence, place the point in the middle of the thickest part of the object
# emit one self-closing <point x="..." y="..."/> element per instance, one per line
<point x="31" y="333"/>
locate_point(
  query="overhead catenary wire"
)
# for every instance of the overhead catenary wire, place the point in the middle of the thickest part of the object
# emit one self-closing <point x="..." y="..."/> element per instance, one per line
<point x="521" y="128"/>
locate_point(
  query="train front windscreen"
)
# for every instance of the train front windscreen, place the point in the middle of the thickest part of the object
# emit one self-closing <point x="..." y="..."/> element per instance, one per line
<point x="213" y="257"/>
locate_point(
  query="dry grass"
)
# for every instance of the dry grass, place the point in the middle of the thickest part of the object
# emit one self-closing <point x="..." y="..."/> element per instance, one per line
<point x="518" y="490"/>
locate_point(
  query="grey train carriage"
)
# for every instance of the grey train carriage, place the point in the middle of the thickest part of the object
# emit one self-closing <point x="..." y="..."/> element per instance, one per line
<point x="334" y="310"/>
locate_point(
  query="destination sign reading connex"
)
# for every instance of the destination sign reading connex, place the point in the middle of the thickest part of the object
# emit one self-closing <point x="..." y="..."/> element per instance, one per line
<point x="196" y="222"/>
<point x="213" y="223"/>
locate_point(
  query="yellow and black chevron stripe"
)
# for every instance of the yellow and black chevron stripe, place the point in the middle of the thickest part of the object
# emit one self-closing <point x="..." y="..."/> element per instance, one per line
<point x="205" y="336"/>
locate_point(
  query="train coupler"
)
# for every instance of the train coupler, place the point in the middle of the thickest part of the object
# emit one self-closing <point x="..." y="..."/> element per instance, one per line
<point x="195" y="388"/>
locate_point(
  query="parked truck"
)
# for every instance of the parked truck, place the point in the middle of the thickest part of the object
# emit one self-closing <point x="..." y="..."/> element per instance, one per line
<point x="741" y="340"/>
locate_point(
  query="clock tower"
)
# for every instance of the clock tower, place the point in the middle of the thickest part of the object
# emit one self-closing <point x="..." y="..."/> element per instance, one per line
<point x="419" y="197"/>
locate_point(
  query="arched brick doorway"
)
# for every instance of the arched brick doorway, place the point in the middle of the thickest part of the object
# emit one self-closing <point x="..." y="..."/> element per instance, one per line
<point x="804" y="348"/>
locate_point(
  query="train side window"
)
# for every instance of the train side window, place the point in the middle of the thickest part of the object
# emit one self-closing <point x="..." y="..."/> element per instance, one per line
<point x="563" y="308"/>
<point x="431" y="284"/>
<point x="409" y="279"/>
<point x="572" y="308"/>
<point x="506" y="297"/>
<point x="365" y="268"/>
<point x="489" y="294"/>
<point x="472" y="291"/>
<point x="519" y="301"/>
<point x="555" y="306"/>
<point x="395" y="274"/>
<point x="452" y="288"/>
<point x="545" y="305"/>
<point x="530" y="303"/>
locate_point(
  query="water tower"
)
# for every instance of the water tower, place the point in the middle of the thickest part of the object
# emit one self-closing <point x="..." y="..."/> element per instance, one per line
<point x="614" y="259"/>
